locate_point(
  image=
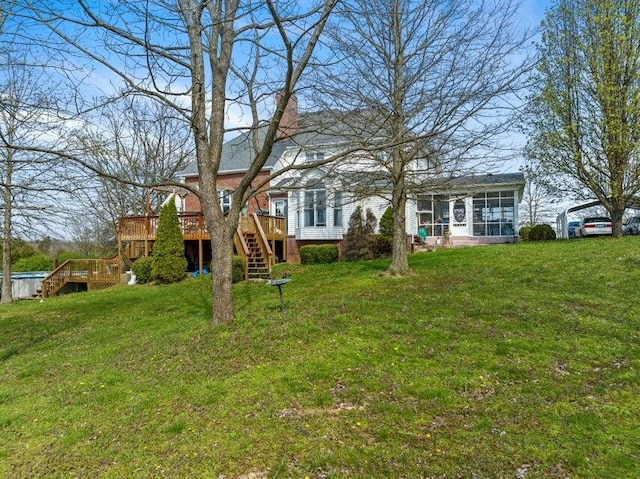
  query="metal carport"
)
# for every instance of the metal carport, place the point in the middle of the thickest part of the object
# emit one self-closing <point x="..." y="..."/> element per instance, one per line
<point x="561" y="220"/>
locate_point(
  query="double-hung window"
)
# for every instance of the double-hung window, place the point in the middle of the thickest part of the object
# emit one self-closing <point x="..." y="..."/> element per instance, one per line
<point x="315" y="208"/>
<point x="337" y="210"/>
<point x="225" y="200"/>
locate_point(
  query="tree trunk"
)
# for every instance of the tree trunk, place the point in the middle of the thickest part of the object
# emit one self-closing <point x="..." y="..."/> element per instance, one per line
<point x="399" y="263"/>
<point x="221" y="230"/>
<point x="617" y="215"/>
<point x="221" y="269"/>
<point x="7" y="294"/>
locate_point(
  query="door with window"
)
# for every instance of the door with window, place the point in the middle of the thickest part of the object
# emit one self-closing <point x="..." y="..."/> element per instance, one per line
<point x="281" y="208"/>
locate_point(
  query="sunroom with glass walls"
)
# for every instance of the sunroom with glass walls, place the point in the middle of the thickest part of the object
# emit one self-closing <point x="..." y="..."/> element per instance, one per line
<point x="494" y="213"/>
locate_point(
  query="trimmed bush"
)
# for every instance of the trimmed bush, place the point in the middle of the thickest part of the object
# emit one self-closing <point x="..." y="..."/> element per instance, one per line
<point x="169" y="263"/>
<point x="237" y="270"/>
<point x="37" y="262"/>
<point x="524" y="232"/>
<point x="319" y="254"/>
<point x="142" y="268"/>
<point x="542" y="233"/>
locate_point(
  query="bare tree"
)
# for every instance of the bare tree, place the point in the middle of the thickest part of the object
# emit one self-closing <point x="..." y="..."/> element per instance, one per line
<point x="134" y="140"/>
<point x="538" y="198"/>
<point x="31" y="183"/>
<point x="431" y="81"/>
<point x="198" y="58"/>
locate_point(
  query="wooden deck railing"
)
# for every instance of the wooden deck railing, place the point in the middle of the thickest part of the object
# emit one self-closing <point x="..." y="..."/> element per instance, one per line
<point x="96" y="273"/>
<point x="193" y="227"/>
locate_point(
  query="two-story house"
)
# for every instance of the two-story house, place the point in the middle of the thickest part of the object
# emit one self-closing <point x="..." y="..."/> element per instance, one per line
<point x="317" y="196"/>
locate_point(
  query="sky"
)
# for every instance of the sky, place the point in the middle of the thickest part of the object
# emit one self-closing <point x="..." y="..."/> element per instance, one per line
<point x="532" y="13"/>
<point x="534" y="10"/>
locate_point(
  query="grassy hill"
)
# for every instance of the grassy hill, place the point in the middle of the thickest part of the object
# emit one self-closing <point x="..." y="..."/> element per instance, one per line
<point x="513" y="361"/>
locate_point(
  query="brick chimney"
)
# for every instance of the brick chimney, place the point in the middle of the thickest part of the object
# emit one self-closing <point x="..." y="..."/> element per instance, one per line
<point x="289" y="121"/>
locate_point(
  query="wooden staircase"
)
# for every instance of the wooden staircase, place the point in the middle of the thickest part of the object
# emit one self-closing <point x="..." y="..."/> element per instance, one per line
<point x="257" y="264"/>
<point x="252" y="245"/>
<point x="89" y="273"/>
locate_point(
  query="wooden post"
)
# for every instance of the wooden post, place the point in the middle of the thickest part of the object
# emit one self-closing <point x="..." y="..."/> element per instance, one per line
<point x="200" y="234"/>
<point x="119" y="247"/>
<point x="147" y="226"/>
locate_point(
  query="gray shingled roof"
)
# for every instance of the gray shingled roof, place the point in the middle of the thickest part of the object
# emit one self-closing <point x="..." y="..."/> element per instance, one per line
<point x="327" y="128"/>
<point x="381" y="180"/>
<point x="313" y="129"/>
<point x="237" y="154"/>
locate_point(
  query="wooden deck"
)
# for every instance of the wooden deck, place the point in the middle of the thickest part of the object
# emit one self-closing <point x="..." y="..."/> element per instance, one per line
<point x="94" y="273"/>
<point x="255" y="240"/>
<point x="255" y="243"/>
<point x="193" y="227"/>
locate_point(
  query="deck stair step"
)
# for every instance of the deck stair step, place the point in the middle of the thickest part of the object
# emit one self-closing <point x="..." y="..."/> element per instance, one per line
<point x="257" y="265"/>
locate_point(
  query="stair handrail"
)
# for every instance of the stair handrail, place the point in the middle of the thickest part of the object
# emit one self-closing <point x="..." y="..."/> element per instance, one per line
<point x="54" y="274"/>
<point x="54" y="282"/>
<point x="262" y="236"/>
<point x="243" y="250"/>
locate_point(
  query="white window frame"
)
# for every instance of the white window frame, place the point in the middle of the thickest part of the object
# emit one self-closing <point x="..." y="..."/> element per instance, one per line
<point x="338" y="220"/>
<point x="311" y="156"/>
<point x="315" y="201"/>
<point x="224" y="196"/>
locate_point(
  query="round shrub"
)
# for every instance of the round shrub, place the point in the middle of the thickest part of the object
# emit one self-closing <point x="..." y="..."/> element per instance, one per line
<point x="319" y="254"/>
<point x="542" y="233"/>
<point x="142" y="268"/>
<point x="524" y="233"/>
<point x="38" y="262"/>
<point x="237" y="270"/>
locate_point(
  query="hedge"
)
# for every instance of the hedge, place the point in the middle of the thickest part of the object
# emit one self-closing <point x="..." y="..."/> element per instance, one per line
<point x="319" y="254"/>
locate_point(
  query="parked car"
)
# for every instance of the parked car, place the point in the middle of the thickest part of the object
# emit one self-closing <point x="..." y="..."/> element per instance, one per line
<point x="594" y="226"/>
<point x="571" y="228"/>
<point x="632" y="227"/>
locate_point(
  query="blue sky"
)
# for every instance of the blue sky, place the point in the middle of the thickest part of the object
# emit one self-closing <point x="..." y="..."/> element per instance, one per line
<point x="533" y="10"/>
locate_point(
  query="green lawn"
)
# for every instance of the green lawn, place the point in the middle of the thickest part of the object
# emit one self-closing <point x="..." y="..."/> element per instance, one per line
<point x="489" y="362"/>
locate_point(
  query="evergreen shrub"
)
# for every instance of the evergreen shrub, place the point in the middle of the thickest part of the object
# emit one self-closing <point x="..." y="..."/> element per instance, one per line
<point x="358" y="239"/>
<point x="386" y="224"/>
<point x="381" y="245"/>
<point x="524" y="232"/>
<point x="169" y="262"/>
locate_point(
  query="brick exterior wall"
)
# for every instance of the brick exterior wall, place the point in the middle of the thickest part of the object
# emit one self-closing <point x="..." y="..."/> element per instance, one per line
<point x="229" y="182"/>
